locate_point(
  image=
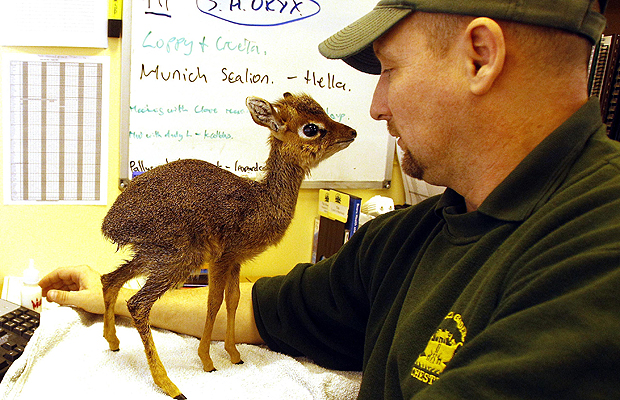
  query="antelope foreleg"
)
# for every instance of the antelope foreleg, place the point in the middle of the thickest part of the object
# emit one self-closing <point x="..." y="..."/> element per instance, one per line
<point x="232" y="302"/>
<point x="217" y="283"/>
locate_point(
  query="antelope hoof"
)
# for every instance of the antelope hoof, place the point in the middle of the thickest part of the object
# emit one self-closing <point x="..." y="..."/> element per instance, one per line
<point x="114" y="346"/>
<point x="181" y="397"/>
<point x="113" y="342"/>
<point x="207" y="363"/>
<point x="239" y="362"/>
<point x="235" y="357"/>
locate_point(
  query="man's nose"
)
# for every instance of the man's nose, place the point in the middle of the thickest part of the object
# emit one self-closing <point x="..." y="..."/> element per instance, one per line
<point x="379" y="108"/>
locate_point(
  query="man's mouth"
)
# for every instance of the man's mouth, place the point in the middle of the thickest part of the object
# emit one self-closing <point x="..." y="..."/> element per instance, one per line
<point x="392" y="131"/>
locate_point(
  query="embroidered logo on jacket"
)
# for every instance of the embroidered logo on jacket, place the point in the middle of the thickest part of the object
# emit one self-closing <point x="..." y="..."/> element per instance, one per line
<point x="440" y="349"/>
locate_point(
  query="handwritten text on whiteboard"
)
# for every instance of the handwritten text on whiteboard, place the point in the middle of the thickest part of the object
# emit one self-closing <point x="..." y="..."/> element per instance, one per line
<point x="259" y="12"/>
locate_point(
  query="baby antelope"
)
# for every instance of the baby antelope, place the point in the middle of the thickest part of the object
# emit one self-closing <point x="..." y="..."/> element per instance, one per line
<point x="189" y="214"/>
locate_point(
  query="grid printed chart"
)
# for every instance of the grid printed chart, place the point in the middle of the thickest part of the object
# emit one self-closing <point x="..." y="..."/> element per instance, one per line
<point x="57" y="131"/>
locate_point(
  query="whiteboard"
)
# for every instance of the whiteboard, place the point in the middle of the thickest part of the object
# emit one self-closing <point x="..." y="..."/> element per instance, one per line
<point x="192" y="64"/>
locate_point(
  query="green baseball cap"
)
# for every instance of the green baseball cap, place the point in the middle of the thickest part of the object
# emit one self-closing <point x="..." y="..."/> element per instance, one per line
<point x="353" y="44"/>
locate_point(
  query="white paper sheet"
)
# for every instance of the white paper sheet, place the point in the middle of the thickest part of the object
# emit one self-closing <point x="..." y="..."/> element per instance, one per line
<point x="55" y="129"/>
<point x="59" y="23"/>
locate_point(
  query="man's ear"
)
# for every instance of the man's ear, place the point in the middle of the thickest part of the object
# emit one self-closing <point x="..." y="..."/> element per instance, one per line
<point x="486" y="52"/>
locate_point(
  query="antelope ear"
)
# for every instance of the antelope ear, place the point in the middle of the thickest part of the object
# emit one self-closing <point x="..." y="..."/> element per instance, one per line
<point x="263" y="113"/>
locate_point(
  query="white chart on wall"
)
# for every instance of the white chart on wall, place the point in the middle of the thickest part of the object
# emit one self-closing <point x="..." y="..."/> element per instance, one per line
<point x="56" y="129"/>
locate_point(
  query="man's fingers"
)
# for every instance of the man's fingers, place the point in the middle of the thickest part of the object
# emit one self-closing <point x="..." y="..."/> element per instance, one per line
<point x="67" y="278"/>
<point x="60" y="296"/>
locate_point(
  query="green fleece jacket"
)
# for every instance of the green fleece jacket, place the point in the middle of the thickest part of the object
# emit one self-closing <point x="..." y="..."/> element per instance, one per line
<point x="519" y="299"/>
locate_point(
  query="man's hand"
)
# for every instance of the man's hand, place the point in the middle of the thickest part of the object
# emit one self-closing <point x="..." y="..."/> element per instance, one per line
<point x="74" y="286"/>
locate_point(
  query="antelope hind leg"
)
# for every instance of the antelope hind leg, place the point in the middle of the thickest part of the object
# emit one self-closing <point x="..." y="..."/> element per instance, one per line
<point x="109" y="321"/>
<point x="111" y="284"/>
<point x="139" y="307"/>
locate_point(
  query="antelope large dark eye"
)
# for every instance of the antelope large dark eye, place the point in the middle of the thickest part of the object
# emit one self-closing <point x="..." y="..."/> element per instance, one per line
<point x="311" y="130"/>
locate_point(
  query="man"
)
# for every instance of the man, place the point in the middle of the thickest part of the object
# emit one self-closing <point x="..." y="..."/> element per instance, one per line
<point x="503" y="287"/>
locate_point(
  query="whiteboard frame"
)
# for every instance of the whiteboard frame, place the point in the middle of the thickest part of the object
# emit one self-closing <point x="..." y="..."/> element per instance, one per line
<point x="125" y="96"/>
<point x="125" y="102"/>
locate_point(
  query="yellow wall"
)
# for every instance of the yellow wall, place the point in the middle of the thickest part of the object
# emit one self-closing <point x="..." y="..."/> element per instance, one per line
<point x="55" y="235"/>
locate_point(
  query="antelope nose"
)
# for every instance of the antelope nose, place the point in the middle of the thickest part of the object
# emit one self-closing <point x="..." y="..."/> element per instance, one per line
<point x="353" y="133"/>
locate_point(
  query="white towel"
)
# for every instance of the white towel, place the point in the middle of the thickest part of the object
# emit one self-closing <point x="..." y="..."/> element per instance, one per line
<point x="67" y="358"/>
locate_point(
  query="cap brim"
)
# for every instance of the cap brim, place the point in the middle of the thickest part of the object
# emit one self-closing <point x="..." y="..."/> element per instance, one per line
<point x="353" y="44"/>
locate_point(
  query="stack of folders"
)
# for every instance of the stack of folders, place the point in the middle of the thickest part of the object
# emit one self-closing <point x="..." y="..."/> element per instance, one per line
<point x="604" y="81"/>
<point x="339" y="215"/>
<point x="199" y="280"/>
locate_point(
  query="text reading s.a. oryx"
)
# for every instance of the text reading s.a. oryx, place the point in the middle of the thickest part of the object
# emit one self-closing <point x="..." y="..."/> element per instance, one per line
<point x="259" y="12"/>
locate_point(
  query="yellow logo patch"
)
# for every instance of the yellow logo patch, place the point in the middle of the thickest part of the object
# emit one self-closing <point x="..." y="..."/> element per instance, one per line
<point x="440" y="349"/>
